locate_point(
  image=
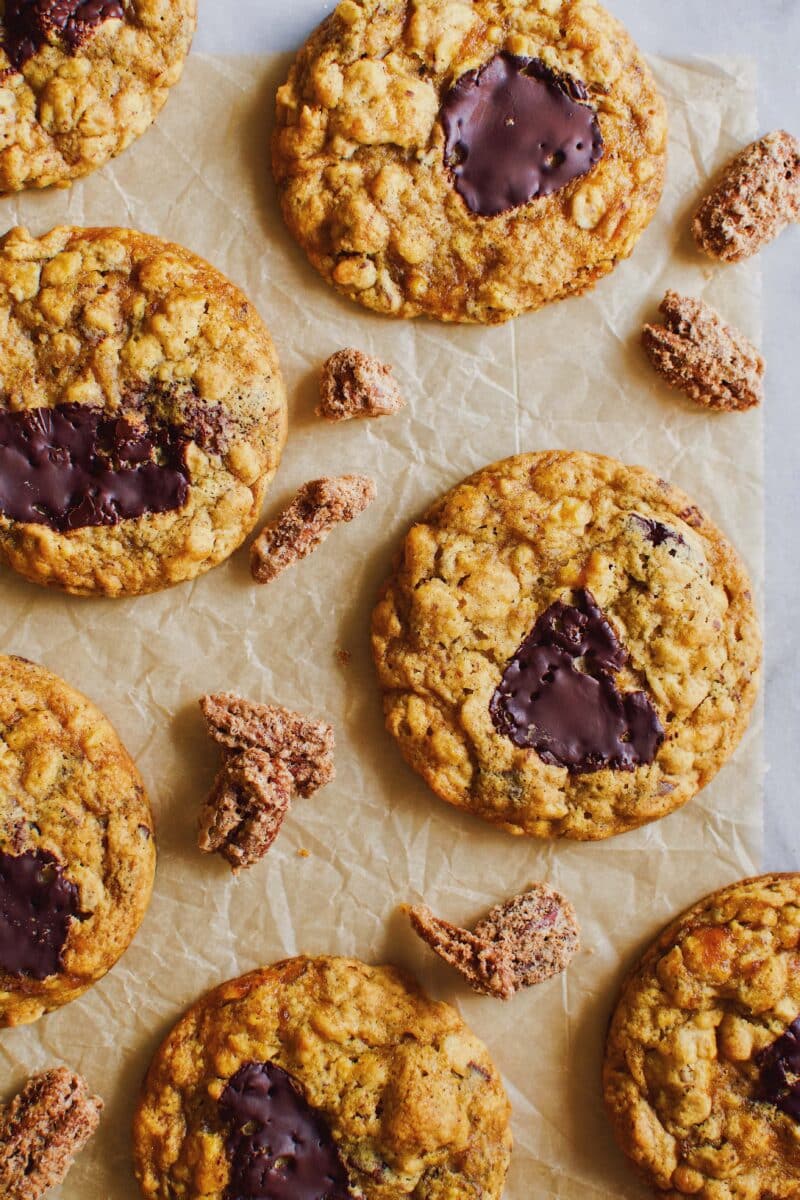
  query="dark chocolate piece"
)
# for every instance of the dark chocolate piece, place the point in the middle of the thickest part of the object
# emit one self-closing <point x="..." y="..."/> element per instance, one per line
<point x="36" y="906"/>
<point x="28" y="24"/>
<point x="779" y="1072"/>
<point x="514" y="131"/>
<point x="279" y="1147"/>
<point x="558" y="695"/>
<point x="656" y="532"/>
<point x="74" y="466"/>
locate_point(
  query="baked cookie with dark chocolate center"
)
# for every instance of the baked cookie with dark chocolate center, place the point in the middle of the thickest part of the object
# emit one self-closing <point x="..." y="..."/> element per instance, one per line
<point x="567" y="646"/>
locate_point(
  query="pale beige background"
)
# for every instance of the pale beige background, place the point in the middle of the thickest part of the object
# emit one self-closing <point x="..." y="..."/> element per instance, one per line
<point x="570" y="376"/>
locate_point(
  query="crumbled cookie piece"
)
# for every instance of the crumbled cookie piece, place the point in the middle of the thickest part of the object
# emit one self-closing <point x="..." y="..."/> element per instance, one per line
<point x="315" y="510"/>
<point x="537" y="932"/>
<point x="305" y="747"/>
<point x="696" y="352"/>
<point x="354" y="384"/>
<point x="246" y="807"/>
<point x="520" y="943"/>
<point x="42" y="1130"/>
<point x="482" y="963"/>
<point x="756" y="198"/>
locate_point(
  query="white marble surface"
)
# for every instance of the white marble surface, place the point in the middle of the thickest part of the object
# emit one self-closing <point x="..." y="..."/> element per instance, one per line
<point x="769" y="30"/>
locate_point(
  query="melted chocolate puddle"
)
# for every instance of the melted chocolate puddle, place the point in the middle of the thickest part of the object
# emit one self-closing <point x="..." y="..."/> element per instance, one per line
<point x="779" y="1072"/>
<point x="37" y="905"/>
<point x="29" y="24"/>
<point x="515" y="130"/>
<point x="75" y="466"/>
<point x="558" y="695"/>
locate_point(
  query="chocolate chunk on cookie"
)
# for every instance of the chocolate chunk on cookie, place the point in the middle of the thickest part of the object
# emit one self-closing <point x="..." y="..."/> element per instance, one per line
<point x="142" y="413"/>
<point x="81" y="79"/>
<point x="37" y="907"/>
<point x="354" y="384"/>
<point x="567" y="646"/>
<point x="315" y="511"/>
<point x="42" y="1130"/>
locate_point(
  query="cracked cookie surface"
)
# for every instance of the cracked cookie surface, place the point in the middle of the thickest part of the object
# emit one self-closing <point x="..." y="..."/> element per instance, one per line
<point x="407" y="1097"/>
<point x="651" y="637"/>
<point x="360" y="151"/>
<point x="80" y="81"/>
<point x="77" y="849"/>
<point x="142" y="411"/>
<point x="696" y="1034"/>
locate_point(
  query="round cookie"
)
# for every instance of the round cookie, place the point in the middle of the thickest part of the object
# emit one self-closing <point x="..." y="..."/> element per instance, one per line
<point x="142" y="413"/>
<point x="702" y="1065"/>
<point x="567" y="646"/>
<point x="468" y="161"/>
<point x="80" y="79"/>
<point x="77" y="849"/>
<point x="322" y="1079"/>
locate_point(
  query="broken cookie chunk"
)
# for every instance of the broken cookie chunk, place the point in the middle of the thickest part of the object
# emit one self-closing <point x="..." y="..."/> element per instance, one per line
<point x="42" y="1130"/>
<point x="354" y="384"/>
<point x="756" y="198"/>
<point x="246" y="807"/>
<point x="304" y="746"/>
<point x="520" y="943"/>
<point x="696" y="352"/>
<point x="316" y="509"/>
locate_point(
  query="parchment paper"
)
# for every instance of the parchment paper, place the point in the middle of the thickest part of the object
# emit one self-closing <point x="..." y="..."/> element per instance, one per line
<point x="571" y="376"/>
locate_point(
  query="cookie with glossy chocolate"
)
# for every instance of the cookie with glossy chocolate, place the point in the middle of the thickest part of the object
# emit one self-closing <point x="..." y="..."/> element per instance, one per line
<point x="468" y="161"/>
<point x="702" y="1063"/>
<point x="77" y="852"/>
<point x="567" y="646"/>
<point x="81" y="79"/>
<point x="321" y="1079"/>
<point x="142" y="413"/>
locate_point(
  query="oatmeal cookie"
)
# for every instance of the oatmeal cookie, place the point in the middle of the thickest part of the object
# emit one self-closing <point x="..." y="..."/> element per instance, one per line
<point x="142" y="413"/>
<point x="567" y="646"/>
<point x="468" y="161"/>
<point x="322" y="1078"/>
<point x="77" y="850"/>
<point x="702" y="1065"/>
<point x="81" y="79"/>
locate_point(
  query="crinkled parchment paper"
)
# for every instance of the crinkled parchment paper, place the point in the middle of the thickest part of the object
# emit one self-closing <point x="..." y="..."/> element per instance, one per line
<point x="572" y="376"/>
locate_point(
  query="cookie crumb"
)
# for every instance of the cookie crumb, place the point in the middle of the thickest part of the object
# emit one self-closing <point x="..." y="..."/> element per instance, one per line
<point x="757" y="196"/>
<point x="42" y="1130"/>
<point x="355" y="384"/>
<point x="304" y="746"/>
<point x="315" y="510"/>
<point x="344" y="658"/>
<point x="696" y="352"/>
<point x="520" y="943"/>
<point x="245" y="809"/>
<point x="303" y="853"/>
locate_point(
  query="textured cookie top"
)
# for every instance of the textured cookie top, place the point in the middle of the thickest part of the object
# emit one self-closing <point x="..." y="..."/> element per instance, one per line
<point x="77" y="854"/>
<point x="80" y="79"/>
<point x="702" y="1070"/>
<point x="400" y="1097"/>
<point x="142" y="411"/>
<point x="567" y="646"/>
<point x="468" y="160"/>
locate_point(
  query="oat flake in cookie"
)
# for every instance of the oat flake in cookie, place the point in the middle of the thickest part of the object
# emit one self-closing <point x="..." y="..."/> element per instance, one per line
<point x="468" y="161"/>
<point x="81" y="79"/>
<point x="321" y="1079"/>
<point x="142" y="413"/>
<point x="567" y="646"/>
<point x="77" y="853"/>
<point x="702" y="1064"/>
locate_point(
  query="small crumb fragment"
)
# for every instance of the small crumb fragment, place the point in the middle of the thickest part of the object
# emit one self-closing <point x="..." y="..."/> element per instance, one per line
<point x="757" y="196"/>
<point x="303" y="853"/>
<point x="344" y="658"/>
<point x="354" y="384"/>
<point x="42" y="1130"/>
<point x="696" y="352"/>
<point x="304" y="746"/>
<point x="481" y="963"/>
<point x="520" y="943"/>
<point x="316" y="509"/>
<point x="244" y="812"/>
